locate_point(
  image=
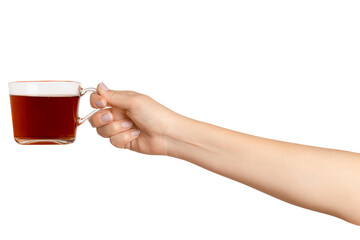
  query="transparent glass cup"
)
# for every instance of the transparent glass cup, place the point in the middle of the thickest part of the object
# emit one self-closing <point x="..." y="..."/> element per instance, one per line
<point x="46" y="112"/>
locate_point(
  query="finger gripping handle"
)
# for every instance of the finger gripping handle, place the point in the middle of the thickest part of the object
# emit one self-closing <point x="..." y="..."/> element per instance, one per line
<point x="83" y="91"/>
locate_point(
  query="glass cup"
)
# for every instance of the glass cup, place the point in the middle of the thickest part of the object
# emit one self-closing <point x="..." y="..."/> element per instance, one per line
<point x="46" y="112"/>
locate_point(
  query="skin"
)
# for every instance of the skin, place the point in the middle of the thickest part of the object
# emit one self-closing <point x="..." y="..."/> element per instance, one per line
<point x="320" y="179"/>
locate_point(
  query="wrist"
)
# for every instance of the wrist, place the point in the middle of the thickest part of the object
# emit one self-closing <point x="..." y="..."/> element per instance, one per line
<point x="184" y="137"/>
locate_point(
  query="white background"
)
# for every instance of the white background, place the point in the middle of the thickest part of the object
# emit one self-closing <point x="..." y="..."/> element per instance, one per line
<point x="287" y="70"/>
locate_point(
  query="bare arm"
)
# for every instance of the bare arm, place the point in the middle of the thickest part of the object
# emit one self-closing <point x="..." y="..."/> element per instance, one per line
<point x="320" y="179"/>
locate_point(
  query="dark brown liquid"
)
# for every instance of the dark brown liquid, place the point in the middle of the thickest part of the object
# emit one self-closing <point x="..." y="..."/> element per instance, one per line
<point x="44" y="118"/>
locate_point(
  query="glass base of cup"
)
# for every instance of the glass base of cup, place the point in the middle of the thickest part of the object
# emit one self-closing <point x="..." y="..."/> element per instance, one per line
<point x="27" y="141"/>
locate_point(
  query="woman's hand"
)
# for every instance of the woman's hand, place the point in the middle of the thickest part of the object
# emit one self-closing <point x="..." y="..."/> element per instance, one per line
<point x="302" y="175"/>
<point x="133" y="120"/>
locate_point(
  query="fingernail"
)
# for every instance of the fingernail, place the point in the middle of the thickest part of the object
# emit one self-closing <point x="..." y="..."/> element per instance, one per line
<point x="106" y="117"/>
<point x="100" y="103"/>
<point x="135" y="133"/>
<point x="103" y="86"/>
<point x="126" y="124"/>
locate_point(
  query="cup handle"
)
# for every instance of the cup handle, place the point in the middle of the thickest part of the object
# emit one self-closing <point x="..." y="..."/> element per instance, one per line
<point x="83" y="91"/>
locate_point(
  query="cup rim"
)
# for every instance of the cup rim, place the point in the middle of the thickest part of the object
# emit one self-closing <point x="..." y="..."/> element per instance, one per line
<point x="46" y="81"/>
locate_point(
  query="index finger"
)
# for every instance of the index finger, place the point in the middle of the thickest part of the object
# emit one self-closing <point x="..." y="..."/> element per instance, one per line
<point x="97" y="101"/>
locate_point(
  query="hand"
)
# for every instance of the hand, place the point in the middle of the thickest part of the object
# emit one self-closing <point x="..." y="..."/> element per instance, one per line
<point x="302" y="175"/>
<point x="134" y="121"/>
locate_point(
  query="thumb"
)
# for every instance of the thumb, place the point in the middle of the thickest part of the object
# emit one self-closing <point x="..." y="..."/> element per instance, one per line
<point x="120" y="99"/>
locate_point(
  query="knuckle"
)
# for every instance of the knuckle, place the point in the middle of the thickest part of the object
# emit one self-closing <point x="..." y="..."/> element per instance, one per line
<point x="91" y="121"/>
<point x="111" y="93"/>
<point x="115" y="142"/>
<point x="95" y="119"/>
<point x="120" y="141"/>
<point x="140" y="99"/>
<point x="116" y="127"/>
<point x="127" y="145"/>
<point x="100" y="132"/>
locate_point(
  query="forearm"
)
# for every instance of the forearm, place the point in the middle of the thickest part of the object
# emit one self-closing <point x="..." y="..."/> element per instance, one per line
<point x="320" y="179"/>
